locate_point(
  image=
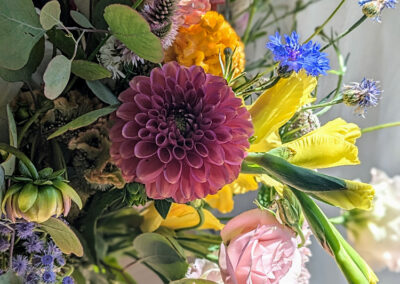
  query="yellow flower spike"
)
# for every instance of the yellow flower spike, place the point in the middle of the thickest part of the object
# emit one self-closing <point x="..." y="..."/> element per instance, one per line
<point x="223" y="199"/>
<point x="179" y="216"/>
<point x="329" y="146"/>
<point x="191" y="48"/>
<point x="279" y="103"/>
<point x="356" y="195"/>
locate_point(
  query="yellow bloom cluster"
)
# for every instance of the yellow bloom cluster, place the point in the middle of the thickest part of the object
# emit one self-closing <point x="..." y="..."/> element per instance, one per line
<point x="202" y="44"/>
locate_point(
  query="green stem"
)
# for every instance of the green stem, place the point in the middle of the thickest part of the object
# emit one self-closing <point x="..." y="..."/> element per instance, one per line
<point x="22" y="157"/>
<point x="320" y="28"/>
<point x="355" y="25"/>
<point x="338" y="220"/>
<point x="46" y="106"/>
<point x="253" y="10"/>
<point x="380" y="126"/>
<point x="331" y="103"/>
<point x="137" y="3"/>
<point x="198" y="225"/>
<point x="94" y="52"/>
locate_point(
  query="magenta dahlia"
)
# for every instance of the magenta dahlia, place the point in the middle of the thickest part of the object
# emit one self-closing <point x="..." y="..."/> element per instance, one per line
<point x="181" y="132"/>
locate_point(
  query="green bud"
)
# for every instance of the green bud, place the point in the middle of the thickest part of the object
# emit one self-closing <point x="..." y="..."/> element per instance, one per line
<point x="372" y="9"/>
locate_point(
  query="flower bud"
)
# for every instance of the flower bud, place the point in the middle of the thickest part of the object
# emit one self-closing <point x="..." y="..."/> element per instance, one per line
<point x="372" y="9"/>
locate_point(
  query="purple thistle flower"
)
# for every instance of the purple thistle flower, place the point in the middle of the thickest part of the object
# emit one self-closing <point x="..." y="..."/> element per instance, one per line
<point x="47" y="260"/>
<point x="68" y="280"/>
<point x="49" y="276"/>
<point x="364" y="95"/>
<point x="60" y="260"/>
<point x="293" y="56"/>
<point x="32" y="278"/>
<point x="20" y="264"/>
<point x="24" y="230"/>
<point x="4" y="245"/>
<point x="33" y="244"/>
<point x="4" y="230"/>
<point x="53" y="250"/>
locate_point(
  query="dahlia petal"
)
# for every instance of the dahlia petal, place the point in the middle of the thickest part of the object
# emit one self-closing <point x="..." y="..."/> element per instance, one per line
<point x="157" y="81"/>
<point x="145" y="149"/>
<point x="172" y="171"/>
<point x="215" y="154"/>
<point x="200" y="174"/>
<point x="143" y="102"/>
<point x="141" y="119"/>
<point x="164" y="188"/>
<point x="218" y="176"/>
<point x="157" y="101"/>
<point x="127" y="96"/>
<point x="127" y="111"/>
<point x="136" y="80"/>
<point x="148" y="169"/>
<point x="116" y="131"/>
<point x="130" y="130"/>
<point x="178" y="153"/>
<point x="201" y="149"/>
<point x="164" y="154"/>
<point x="233" y="155"/>
<point x="144" y="87"/>
<point x="127" y="149"/>
<point x="223" y="134"/>
<point x="194" y="160"/>
<point x="161" y="140"/>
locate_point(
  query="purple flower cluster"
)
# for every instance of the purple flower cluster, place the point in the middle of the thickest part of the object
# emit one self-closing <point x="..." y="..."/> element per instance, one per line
<point x="294" y="56"/>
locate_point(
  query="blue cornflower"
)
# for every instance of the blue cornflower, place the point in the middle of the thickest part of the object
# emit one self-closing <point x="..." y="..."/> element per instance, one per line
<point x="53" y="250"/>
<point x="33" y="244"/>
<point x="49" y="276"/>
<point x="68" y="280"/>
<point x="293" y="56"/>
<point x="363" y="95"/>
<point x="373" y="8"/>
<point x="47" y="260"/>
<point x="4" y="245"/>
<point x="20" y="264"/>
<point x="24" y="230"/>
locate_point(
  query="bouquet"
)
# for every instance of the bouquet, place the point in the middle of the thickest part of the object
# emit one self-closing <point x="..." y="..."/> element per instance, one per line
<point x="132" y="124"/>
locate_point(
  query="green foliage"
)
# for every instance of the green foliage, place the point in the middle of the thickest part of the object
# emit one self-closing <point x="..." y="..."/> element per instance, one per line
<point x="56" y="76"/>
<point x="102" y="92"/>
<point x="80" y="19"/>
<point x="120" y="275"/>
<point x="21" y="28"/>
<point x="162" y="207"/>
<point x="133" y="30"/>
<point x="163" y="256"/>
<point x="65" y="43"/>
<point x="2" y="184"/>
<point x="50" y="14"/>
<point x="9" y="163"/>
<point x="98" y="12"/>
<point x="25" y="73"/>
<point x="135" y="194"/>
<point x="83" y="120"/>
<point x="266" y="196"/>
<point x="63" y="236"/>
<point x="10" y="278"/>
<point x="89" y="70"/>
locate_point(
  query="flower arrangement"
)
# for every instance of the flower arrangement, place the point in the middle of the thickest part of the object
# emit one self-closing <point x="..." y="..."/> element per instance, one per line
<point x="146" y="121"/>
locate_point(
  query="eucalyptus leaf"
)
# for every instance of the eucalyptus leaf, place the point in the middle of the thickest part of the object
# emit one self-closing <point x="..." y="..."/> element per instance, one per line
<point x="9" y="164"/>
<point x="25" y="73"/>
<point x="20" y="31"/>
<point x="83" y="120"/>
<point x="62" y="236"/>
<point x="56" y="76"/>
<point x="162" y="207"/>
<point x="98" y="11"/>
<point x="81" y="20"/>
<point x="65" y="43"/>
<point x="89" y="70"/>
<point x="161" y="255"/>
<point x="10" y="278"/>
<point x="50" y="15"/>
<point x="133" y="30"/>
<point x="102" y="92"/>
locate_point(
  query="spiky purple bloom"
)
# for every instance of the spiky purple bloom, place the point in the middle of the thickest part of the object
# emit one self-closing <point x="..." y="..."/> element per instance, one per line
<point x="20" y="264"/>
<point x="363" y="95"/>
<point x="24" y="230"/>
<point x="374" y="8"/>
<point x="4" y="231"/>
<point x="33" y="244"/>
<point x="53" y="250"/>
<point x="47" y="260"/>
<point x="295" y="56"/>
<point x="32" y="278"/>
<point x="60" y="260"/>
<point x="68" y="280"/>
<point x="49" y="276"/>
<point x="4" y="245"/>
<point x="181" y="132"/>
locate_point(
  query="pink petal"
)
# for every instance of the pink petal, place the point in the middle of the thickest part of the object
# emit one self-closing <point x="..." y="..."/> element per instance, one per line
<point x="148" y="169"/>
<point x="145" y="149"/>
<point x="172" y="171"/>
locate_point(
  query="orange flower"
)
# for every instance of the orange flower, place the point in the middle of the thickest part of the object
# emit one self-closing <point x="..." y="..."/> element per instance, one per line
<point x="202" y="43"/>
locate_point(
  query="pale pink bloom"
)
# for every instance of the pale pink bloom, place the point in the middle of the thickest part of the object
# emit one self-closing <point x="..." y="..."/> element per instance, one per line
<point x="258" y="249"/>
<point x="200" y="268"/>
<point x="190" y="11"/>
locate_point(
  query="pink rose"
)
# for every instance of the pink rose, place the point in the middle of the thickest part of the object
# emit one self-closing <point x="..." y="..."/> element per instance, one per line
<point x="258" y="249"/>
<point x="190" y="11"/>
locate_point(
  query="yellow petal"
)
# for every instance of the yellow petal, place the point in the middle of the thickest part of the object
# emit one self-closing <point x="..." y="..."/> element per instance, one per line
<point x="270" y="142"/>
<point x="279" y="103"/>
<point x="179" y="216"/>
<point x="223" y="199"/>
<point x="269" y="181"/>
<point x="356" y="195"/>
<point x="329" y="146"/>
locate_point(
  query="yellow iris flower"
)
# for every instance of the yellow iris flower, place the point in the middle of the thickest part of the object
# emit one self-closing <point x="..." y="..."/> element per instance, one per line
<point x="179" y="216"/>
<point x="329" y="146"/>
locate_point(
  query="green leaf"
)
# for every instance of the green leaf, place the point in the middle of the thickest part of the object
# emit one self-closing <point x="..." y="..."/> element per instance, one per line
<point x="10" y="278"/>
<point x="133" y="30"/>
<point x="83" y="120"/>
<point x="63" y="236"/>
<point x="118" y="271"/>
<point x="9" y="163"/>
<point x="65" y="43"/>
<point x="25" y="73"/>
<point x="80" y="19"/>
<point x="102" y="92"/>
<point x="50" y="14"/>
<point x="98" y="12"/>
<point x="56" y="76"/>
<point x="193" y="281"/>
<point x="2" y="184"/>
<point x="45" y="173"/>
<point x="162" y="207"/>
<point x="89" y="70"/>
<point x="69" y="191"/>
<point x="161" y="255"/>
<point x="27" y="197"/>
<point x="20" y="31"/>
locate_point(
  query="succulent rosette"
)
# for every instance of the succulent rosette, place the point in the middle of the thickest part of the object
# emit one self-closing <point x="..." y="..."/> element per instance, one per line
<point x="181" y="132"/>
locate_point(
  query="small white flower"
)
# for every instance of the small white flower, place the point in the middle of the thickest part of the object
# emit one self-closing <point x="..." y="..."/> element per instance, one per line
<point x="376" y="233"/>
<point x="200" y="268"/>
<point x="111" y="58"/>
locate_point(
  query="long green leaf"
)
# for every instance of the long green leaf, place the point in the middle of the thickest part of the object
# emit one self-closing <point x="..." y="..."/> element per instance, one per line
<point x="102" y="92"/>
<point x="89" y="70"/>
<point x="9" y="164"/>
<point x="83" y="120"/>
